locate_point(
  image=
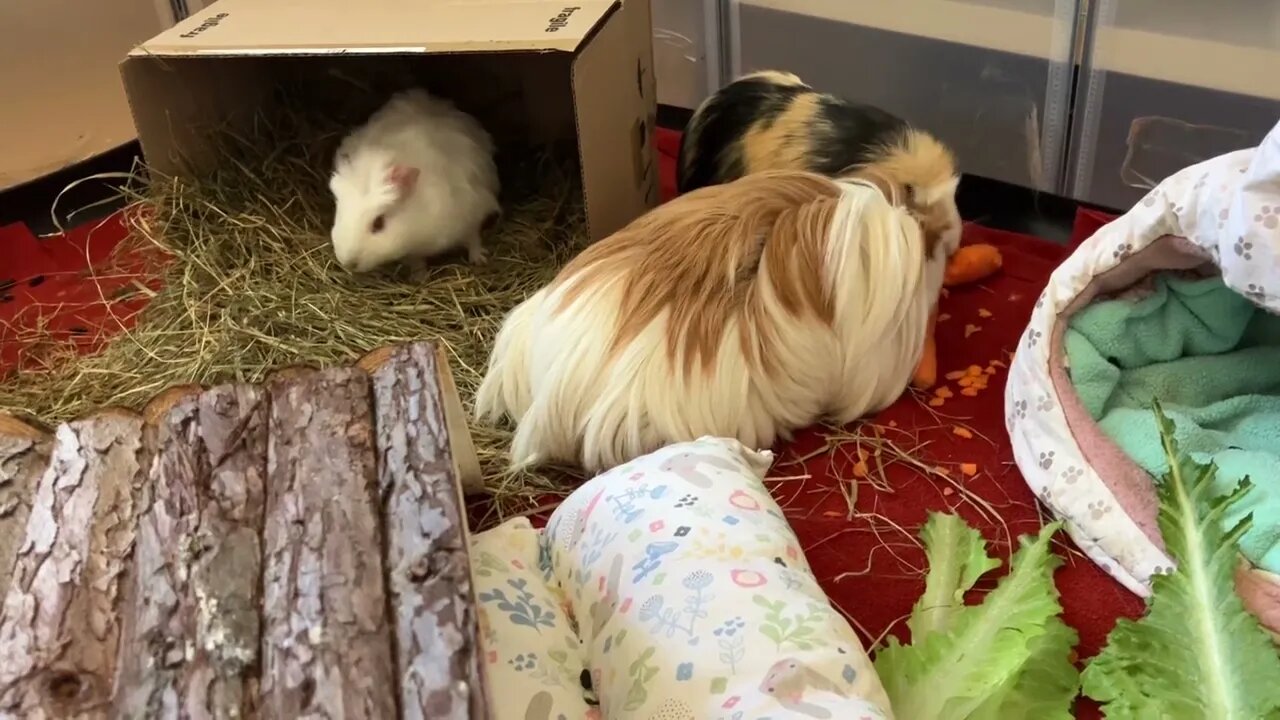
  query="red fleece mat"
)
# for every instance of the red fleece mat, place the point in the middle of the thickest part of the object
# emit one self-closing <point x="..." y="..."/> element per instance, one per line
<point x="869" y="565"/>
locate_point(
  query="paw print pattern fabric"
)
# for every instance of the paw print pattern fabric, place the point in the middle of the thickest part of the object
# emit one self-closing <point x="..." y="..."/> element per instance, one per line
<point x="691" y="598"/>
<point x="1222" y="212"/>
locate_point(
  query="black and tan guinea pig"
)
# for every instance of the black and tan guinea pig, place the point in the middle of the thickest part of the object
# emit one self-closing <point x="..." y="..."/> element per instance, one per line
<point x="772" y="120"/>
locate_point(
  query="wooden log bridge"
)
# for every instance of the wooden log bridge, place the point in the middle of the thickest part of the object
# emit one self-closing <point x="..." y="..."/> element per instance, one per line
<point x="289" y="550"/>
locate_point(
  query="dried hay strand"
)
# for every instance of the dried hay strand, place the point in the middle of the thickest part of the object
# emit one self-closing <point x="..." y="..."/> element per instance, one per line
<point x="249" y="285"/>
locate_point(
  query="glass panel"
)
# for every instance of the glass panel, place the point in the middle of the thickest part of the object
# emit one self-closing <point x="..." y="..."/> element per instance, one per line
<point x="992" y="78"/>
<point x="1167" y="84"/>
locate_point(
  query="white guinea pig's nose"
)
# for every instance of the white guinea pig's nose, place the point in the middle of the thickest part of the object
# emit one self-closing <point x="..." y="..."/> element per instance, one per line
<point x="348" y="260"/>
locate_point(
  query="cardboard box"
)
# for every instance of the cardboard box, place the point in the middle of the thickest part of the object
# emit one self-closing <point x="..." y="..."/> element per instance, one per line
<point x="60" y="95"/>
<point x="532" y="71"/>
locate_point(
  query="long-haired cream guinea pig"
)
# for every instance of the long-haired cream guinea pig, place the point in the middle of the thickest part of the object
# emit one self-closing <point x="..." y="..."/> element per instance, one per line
<point x="744" y="310"/>
<point x="416" y="180"/>
<point x="772" y="120"/>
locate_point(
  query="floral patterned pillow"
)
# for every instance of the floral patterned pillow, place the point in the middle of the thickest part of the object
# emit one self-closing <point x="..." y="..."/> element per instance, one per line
<point x="692" y="599"/>
<point x="533" y="659"/>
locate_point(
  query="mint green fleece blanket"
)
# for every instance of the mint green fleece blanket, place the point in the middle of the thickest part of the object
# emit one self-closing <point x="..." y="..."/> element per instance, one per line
<point x="1212" y="358"/>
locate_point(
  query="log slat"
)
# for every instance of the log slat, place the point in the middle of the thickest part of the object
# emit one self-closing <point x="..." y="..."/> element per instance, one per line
<point x="24" y="454"/>
<point x="438" y="657"/>
<point x="327" y="636"/>
<point x="59" y="627"/>
<point x="192" y="634"/>
<point x="296" y="549"/>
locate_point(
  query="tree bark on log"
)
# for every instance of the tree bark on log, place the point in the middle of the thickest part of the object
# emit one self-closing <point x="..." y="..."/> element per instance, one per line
<point x="327" y="640"/>
<point x="60" y="628"/>
<point x="24" y="456"/>
<point x="438" y="655"/>
<point x="190" y="647"/>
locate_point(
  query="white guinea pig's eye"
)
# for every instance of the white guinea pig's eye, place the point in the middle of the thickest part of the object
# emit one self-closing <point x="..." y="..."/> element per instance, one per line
<point x="378" y="223"/>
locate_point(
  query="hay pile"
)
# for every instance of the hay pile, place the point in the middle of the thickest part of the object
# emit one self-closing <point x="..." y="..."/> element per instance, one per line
<point x="251" y="285"/>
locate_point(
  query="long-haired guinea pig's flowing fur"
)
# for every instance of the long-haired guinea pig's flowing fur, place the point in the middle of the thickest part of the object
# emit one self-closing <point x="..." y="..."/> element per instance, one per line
<point x="772" y="120"/>
<point x="416" y="180"/>
<point x="744" y="310"/>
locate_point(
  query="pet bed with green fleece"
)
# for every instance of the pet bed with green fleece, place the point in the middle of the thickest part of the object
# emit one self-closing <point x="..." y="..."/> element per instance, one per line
<point x="1212" y="358"/>
<point x="1177" y="300"/>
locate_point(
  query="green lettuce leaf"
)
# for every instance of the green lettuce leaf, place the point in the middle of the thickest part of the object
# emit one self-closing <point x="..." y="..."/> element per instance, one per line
<point x="1047" y="687"/>
<point x="1197" y="654"/>
<point x="980" y="661"/>
<point x="957" y="557"/>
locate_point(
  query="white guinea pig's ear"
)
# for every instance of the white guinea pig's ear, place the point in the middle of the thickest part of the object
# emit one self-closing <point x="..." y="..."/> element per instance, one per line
<point x="403" y="178"/>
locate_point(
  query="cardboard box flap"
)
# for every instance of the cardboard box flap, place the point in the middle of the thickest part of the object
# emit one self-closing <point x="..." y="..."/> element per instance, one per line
<point x="292" y="27"/>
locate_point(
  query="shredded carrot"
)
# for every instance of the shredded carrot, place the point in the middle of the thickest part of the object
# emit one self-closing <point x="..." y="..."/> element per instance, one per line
<point x="832" y="514"/>
<point x="997" y="363"/>
<point x="984" y="313"/>
<point x="989" y="371"/>
<point x="969" y="469"/>
<point x="962" y="432"/>
<point x="926" y="373"/>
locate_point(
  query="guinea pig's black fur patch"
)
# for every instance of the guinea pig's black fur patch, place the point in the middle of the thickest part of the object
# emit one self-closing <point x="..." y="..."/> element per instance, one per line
<point x="719" y="123"/>
<point x="841" y="135"/>
<point x="854" y="134"/>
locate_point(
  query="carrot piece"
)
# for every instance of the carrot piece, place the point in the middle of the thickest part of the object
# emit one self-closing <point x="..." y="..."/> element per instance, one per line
<point x="955" y="374"/>
<point x="944" y="317"/>
<point x="860" y="469"/>
<point x="984" y="313"/>
<point x="970" y="329"/>
<point x="969" y="392"/>
<point x="926" y="374"/>
<point x="937" y="402"/>
<point x="969" y="469"/>
<point x="972" y="263"/>
<point x="973" y="371"/>
<point x="948" y="491"/>
<point x="944" y="392"/>
<point x="893" y="423"/>
<point x="962" y="432"/>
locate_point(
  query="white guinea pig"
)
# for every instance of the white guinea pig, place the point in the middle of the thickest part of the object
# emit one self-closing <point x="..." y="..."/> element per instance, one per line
<point x="416" y="180"/>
